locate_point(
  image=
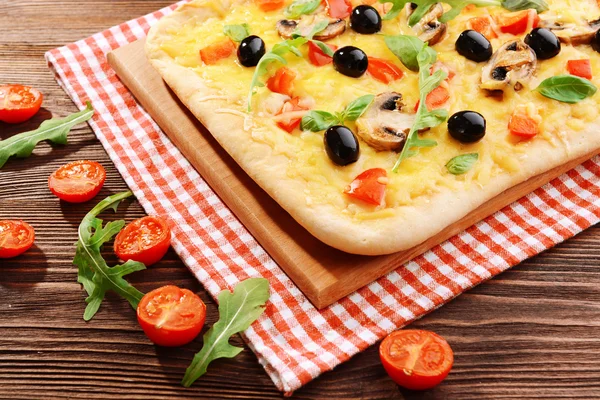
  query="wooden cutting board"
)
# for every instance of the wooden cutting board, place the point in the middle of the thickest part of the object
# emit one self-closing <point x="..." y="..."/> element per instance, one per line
<point x="323" y="273"/>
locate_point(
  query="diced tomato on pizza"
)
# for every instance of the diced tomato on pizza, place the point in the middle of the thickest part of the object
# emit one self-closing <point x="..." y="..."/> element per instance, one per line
<point x="369" y="186"/>
<point x="484" y="25"/>
<point x="580" y="68"/>
<point x="270" y="5"/>
<point x="282" y="82"/>
<point x="220" y="50"/>
<point x="317" y="57"/>
<point x="291" y="107"/>
<point x="518" y="22"/>
<point x="525" y="121"/>
<point x="383" y="70"/>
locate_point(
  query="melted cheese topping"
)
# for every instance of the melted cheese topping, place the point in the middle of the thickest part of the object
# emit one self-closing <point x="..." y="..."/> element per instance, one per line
<point x="419" y="176"/>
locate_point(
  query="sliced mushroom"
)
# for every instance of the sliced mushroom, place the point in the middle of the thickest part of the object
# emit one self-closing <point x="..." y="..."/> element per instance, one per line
<point x="429" y="29"/>
<point x="570" y="32"/>
<point x="305" y="25"/>
<point x="511" y="65"/>
<point x="384" y="126"/>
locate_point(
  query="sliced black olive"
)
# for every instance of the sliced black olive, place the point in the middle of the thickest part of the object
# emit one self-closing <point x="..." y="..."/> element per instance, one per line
<point x="350" y="61"/>
<point x="544" y="42"/>
<point x="251" y="51"/>
<point x="365" y="19"/>
<point x="341" y="145"/>
<point x="596" y="41"/>
<point x="467" y="126"/>
<point x="474" y="46"/>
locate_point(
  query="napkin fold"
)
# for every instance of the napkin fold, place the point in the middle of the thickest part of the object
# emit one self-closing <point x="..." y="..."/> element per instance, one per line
<point x="293" y="340"/>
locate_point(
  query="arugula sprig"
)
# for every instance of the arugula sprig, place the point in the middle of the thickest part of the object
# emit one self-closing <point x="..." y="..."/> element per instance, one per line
<point x="320" y="26"/>
<point x="237" y="311"/>
<point x="54" y="130"/>
<point x="424" y="118"/>
<point x="316" y="121"/>
<point x="237" y="33"/>
<point x="457" y="6"/>
<point x="94" y="274"/>
<point x="301" y="7"/>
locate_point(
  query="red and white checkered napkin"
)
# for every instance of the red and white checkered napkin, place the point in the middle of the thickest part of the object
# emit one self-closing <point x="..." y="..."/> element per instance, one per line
<point x="293" y="340"/>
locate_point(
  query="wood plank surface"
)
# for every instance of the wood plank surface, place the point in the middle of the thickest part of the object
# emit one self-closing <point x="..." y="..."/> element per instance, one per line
<point x="323" y="273"/>
<point x="531" y="333"/>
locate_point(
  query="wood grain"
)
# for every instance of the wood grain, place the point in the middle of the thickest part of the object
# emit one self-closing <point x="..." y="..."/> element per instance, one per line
<point x="531" y="333"/>
<point x="324" y="274"/>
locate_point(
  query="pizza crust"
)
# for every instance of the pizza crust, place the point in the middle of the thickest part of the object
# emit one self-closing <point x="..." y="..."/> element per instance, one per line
<point x="409" y="225"/>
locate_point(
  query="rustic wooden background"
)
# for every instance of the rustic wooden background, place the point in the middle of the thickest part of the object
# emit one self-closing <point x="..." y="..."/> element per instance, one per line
<point x="533" y="332"/>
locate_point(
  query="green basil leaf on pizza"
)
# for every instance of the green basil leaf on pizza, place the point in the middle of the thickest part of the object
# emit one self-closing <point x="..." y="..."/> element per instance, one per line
<point x="237" y="33"/>
<point x="406" y="48"/>
<point x="462" y="164"/>
<point x="567" y="88"/>
<point x="316" y="121"/>
<point x="355" y="109"/>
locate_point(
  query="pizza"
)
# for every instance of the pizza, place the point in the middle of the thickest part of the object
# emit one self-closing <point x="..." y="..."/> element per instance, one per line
<point x="378" y="124"/>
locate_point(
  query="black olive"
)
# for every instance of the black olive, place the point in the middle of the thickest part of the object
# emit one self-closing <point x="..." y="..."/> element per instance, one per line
<point x="365" y="19"/>
<point x="596" y="41"/>
<point x="474" y="46"/>
<point x="350" y="61"/>
<point x="341" y="145"/>
<point x="544" y="42"/>
<point x="251" y="51"/>
<point x="467" y="126"/>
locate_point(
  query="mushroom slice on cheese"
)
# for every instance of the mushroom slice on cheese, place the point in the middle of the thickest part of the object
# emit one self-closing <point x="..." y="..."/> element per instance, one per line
<point x="429" y="29"/>
<point x="384" y="126"/>
<point x="570" y="32"/>
<point x="511" y="65"/>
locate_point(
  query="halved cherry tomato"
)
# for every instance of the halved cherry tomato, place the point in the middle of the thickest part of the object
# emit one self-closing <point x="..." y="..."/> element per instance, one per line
<point x="581" y="68"/>
<point x="270" y="5"/>
<point x="483" y="25"/>
<point x="339" y="8"/>
<point x="369" y="186"/>
<point x="145" y="240"/>
<point x="16" y="237"/>
<point x="518" y="22"/>
<point x="19" y="103"/>
<point x="436" y="99"/>
<point x="316" y="55"/>
<point x="415" y="359"/>
<point x="282" y="82"/>
<point x="77" y="182"/>
<point x="524" y="122"/>
<point x="171" y="316"/>
<point x="383" y="70"/>
<point x="292" y="123"/>
<point x="211" y="54"/>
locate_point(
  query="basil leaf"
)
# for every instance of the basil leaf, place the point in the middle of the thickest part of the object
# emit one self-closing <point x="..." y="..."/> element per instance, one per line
<point x="316" y="121"/>
<point x="355" y="109"/>
<point x="237" y="311"/>
<point x="237" y="33"/>
<point x="462" y="164"/>
<point x="54" y="130"/>
<point x="301" y="7"/>
<point x="518" y="5"/>
<point x="324" y="48"/>
<point x="406" y="48"/>
<point x="567" y="88"/>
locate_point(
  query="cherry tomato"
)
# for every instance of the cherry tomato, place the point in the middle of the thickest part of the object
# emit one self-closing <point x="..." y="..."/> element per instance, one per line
<point x="292" y="123"/>
<point x="145" y="240"/>
<point x="369" y="186"/>
<point x="415" y="359"/>
<point x="282" y="82"/>
<point x="518" y="22"/>
<point x="523" y="124"/>
<point x="270" y="5"/>
<point x="217" y="51"/>
<point x="436" y="99"/>
<point x="16" y="237"/>
<point x="483" y="25"/>
<point x="77" y="182"/>
<point x="316" y="55"/>
<point x="580" y="68"/>
<point x="339" y="8"/>
<point x="384" y="71"/>
<point x="171" y="316"/>
<point x="19" y="103"/>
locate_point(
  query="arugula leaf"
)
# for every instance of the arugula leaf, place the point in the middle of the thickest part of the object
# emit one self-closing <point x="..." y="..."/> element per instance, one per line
<point x="301" y="7"/>
<point x="93" y="273"/>
<point x="424" y="118"/>
<point x="324" y="48"/>
<point x="54" y="130"/>
<point x="567" y="88"/>
<point x="237" y="311"/>
<point x="457" y="6"/>
<point x="462" y="164"/>
<point x="275" y="55"/>
<point x="316" y="121"/>
<point x="237" y="33"/>
<point x="318" y="27"/>
<point x="406" y="48"/>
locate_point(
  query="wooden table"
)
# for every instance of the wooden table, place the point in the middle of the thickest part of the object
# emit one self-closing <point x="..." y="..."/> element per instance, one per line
<point x="533" y="332"/>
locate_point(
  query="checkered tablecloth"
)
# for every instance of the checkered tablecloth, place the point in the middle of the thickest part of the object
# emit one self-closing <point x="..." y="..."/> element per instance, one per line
<point x="293" y="340"/>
